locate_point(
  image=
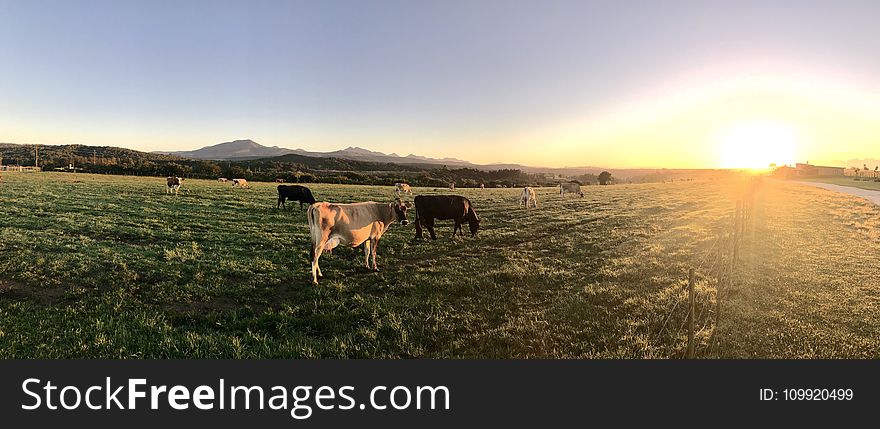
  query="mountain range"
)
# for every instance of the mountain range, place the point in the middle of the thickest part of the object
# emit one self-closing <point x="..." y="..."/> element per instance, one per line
<point x="249" y="149"/>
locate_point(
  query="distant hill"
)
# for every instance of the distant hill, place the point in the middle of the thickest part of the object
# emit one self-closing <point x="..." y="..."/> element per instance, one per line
<point x="62" y="155"/>
<point x="248" y="150"/>
<point x="238" y="149"/>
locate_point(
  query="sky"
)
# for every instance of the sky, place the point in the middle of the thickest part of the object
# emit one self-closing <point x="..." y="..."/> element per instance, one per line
<point x="677" y="84"/>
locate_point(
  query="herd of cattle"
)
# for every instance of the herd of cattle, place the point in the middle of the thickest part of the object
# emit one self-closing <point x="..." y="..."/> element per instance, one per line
<point x="355" y="224"/>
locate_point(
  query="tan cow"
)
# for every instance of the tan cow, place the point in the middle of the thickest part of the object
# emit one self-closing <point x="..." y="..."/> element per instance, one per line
<point x="402" y="188"/>
<point x="351" y="225"/>
<point x="528" y="197"/>
<point x="240" y="183"/>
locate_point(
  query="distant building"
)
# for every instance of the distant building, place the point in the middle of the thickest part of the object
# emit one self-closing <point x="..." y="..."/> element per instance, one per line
<point x="19" y="168"/>
<point x="808" y="170"/>
<point x="69" y="168"/>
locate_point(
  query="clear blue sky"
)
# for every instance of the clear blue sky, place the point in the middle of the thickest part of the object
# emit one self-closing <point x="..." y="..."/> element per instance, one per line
<point x="479" y="80"/>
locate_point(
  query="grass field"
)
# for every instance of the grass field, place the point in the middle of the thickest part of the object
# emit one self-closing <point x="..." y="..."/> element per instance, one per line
<point x="108" y="266"/>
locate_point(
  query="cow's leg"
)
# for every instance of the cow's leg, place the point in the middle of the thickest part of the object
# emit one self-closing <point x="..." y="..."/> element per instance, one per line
<point x="367" y="253"/>
<point x="375" y="246"/>
<point x="456" y="227"/>
<point x="430" y="226"/>
<point x="316" y="254"/>
<point x="418" y="228"/>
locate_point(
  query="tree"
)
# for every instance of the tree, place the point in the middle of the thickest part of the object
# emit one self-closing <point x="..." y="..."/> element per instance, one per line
<point x="604" y="178"/>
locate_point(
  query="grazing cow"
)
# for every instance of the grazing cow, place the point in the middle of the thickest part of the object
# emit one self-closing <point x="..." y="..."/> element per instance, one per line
<point x="402" y="188"/>
<point x="571" y="187"/>
<point x="482" y="186"/>
<point x="240" y="183"/>
<point x="222" y="179"/>
<point x="294" y="193"/>
<point x="452" y="186"/>
<point x="173" y="185"/>
<point x="528" y="197"/>
<point x="351" y="225"/>
<point x="279" y="180"/>
<point x="443" y="207"/>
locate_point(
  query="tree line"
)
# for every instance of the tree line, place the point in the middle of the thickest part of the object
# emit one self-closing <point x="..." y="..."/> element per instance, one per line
<point x="291" y="168"/>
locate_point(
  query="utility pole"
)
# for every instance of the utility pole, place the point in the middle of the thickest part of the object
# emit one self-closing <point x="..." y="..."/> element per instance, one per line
<point x="36" y="155"/>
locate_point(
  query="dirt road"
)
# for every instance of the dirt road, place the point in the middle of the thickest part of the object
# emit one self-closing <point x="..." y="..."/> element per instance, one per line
<point x="873" y="196"/>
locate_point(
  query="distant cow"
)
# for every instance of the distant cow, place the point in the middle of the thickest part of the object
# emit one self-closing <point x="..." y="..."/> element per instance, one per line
<point x="222" y="179"/>
<point x="279" y="180"/>
<point x="402" y="188"/>
<point x="528" y="197"/>
<point x="294" y="193"/>
<point x="452" y="186"/>
<point x="482" y="186"/>
<point x="173" y="185"/>
<point x="443" y="207"/>
<point x="571" y="187"/>
<point x="351" y="225"/>
<point x="241" y="183"/>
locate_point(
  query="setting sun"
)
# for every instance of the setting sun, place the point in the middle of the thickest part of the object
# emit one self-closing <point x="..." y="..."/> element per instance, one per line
<point x="757" y="144"/>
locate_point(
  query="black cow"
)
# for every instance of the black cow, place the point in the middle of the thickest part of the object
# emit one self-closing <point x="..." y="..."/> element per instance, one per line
<point x="443" y="207"/>
<point x="294" y="193"/>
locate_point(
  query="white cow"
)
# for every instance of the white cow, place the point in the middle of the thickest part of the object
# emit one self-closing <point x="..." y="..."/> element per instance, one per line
<point x="571" y="187"/>
<point x="351" y="225"/>
<point x="241" y="183"/>
<point x="528" y="197"/>
<point x="402" y="188"/>
<point x="222" y="179"/>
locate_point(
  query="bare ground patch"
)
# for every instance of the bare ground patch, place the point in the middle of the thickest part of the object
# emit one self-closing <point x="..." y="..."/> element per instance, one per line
<point x="49" y="295"/>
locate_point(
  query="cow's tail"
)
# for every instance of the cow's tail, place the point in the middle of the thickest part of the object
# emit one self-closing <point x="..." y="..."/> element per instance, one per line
<point x="314" y="217"/>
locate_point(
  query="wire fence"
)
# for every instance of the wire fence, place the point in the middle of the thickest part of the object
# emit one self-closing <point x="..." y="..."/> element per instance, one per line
<point x="715" y="273"/>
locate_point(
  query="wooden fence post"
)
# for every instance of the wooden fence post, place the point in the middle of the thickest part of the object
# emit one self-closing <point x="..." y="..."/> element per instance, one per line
<point x="736" y="231"/>
<point x="690" y="349"/>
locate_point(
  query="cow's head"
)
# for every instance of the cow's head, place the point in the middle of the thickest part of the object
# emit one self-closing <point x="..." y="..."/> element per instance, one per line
<point x="399" y="209"/>
<point x="473" y="222"/>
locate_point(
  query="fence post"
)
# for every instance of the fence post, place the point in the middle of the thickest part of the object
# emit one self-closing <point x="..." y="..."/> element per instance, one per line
<point x="690" y="349"/>
<point x="736" y="230"/>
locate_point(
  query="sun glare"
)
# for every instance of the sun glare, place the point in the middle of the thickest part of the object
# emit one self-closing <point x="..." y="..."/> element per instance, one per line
<point x="757" y="144"/>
